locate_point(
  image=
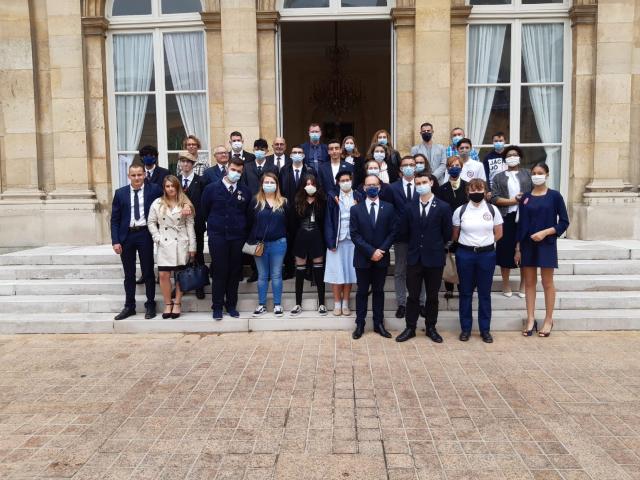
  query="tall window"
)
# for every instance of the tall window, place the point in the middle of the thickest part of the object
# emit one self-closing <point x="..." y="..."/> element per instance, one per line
<point x="517" y="80"/>
<point x="159" y="80"/>
<point x="293" y="8"/>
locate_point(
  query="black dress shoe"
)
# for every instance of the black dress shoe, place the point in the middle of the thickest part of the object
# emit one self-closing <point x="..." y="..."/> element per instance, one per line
<point x="423" y="311"/>
<point x="464" y="336"/>
<point x="406" y="335"/>
<point x="357" y="333"/>
<point x="200" y="293"/>
<point x="287" y="275"/>
<point x="486" y="337"/>
<point x="140" y="280"/>
<point x="150" y="312"/>
<point x="125" y="313"/>
<point x="433" y="334"/>
<point x="382" y="331"/>
<point x="253" y="277"/>
<point x="401" y="311"/>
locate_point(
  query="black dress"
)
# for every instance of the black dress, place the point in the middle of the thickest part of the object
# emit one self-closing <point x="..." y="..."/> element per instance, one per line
<point x="309" y="242"/>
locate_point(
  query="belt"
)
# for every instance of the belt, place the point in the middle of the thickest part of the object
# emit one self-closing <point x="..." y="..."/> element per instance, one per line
<point x="486" y="248"/>
<point x="137" y="229"/>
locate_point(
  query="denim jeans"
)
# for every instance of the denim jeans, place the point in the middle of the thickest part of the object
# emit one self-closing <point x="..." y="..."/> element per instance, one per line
<point x="475" y="270"/>
<point x="270" y="266"/>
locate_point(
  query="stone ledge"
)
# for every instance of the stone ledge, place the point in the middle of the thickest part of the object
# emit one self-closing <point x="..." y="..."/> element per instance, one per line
<point x="403" y="16"/>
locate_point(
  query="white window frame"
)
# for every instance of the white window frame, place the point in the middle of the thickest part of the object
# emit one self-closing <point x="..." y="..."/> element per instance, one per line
<point x="335" y="11"/>
<point x="518" y="7"/>
<point x="515" y="84"/>
<point x="157" y="26"/>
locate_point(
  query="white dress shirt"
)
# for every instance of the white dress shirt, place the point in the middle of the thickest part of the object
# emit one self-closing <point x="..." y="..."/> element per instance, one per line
<point x="278" y="161"/>
<point x="376" y="208"/>
<point x="189" y="180"/>
<point x="228" y="184"/>
<point x="142" y="221"/>
<point x="405" y="182"/>
<point x="514" y="188"/>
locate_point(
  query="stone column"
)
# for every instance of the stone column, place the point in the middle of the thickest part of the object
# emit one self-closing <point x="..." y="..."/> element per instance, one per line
<point x="404" y="18"/>
<point x="459" y="19"/>
<point x="267" y="21"/>
<point x="433" y="67"/>
<point x="635" y="102"/>
<point x="240" y="68"/>
<point x="212" y="28"/>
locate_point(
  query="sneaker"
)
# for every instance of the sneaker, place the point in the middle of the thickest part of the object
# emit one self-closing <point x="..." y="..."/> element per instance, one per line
<point x="261" y="309"/>
<point x="322" y="310"/>
<point x="337" y="310"/>
<point x="345" y="308"/>
<point x="296" y="310"/>
<point x="278" y="311"/>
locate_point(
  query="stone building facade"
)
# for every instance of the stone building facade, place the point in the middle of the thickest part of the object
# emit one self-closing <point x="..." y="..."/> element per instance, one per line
<point x="67" y="86"/>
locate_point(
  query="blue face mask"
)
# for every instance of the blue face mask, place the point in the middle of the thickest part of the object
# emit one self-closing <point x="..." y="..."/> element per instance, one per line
<point x="372" y="192"/>
<point x="349" y="147"/>
<point x="498" y="146"/>
<point x="419" y="167"/>
<point x="233" y="176"/>
<point x="269" y="187"/>
<point x="314" y="137"/>
<point x="382" y="141"/>
<point x="260" y="154"/>
<point x="408" y="171"/>
<point x="455" y="140"/>
<point x="149" y="159"/>
<point x="297" y="158"/>
<point x="423" y="189"/>
<point x="454" y="171"/>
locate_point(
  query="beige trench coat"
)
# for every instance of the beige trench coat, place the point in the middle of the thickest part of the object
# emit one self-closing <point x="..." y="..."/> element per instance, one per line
<point x="172" y="233"/>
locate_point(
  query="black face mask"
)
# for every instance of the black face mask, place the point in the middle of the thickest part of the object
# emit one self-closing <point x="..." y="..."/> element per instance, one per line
<point x="426" y="136"/>
<point x="476" y="197"/>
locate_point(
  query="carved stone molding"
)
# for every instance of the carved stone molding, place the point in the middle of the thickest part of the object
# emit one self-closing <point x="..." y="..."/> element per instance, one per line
<point x="266" y="6"/>
<point x="403" y="16"/>
<point x="586" y="14"/>
<point x="211" y="6"/>
<point x="211" y="21"/>
<point x="460" y="14"/>
<point x="93" y="8"/>
<point x="267" y="20"/>
<point x="406" y="4"/>
<point x="94" y="26"/>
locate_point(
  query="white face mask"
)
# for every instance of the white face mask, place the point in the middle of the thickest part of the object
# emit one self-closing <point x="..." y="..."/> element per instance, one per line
<point x="236" y="146"/>
<point x="345" y="186"/>
<point x="378" y="156"/>
<point x="512" y="161"/>
<point x="373" y="171"/>
<point x="310" y="189"/>
<point x="297" y="157"/>
<point x="538" y="179"/>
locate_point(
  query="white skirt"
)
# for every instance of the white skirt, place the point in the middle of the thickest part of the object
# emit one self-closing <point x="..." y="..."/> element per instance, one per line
<point x="339" y="264"/>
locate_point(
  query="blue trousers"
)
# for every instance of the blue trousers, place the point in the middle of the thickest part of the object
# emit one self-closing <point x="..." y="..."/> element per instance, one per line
<point x="226" y="271"/>
<point x="139" y="242"/>
<point x="475" y="271"/>
<point x="270" y="265"/>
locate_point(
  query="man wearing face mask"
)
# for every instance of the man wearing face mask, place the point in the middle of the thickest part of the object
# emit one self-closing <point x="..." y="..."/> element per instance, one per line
<point x="434" y="152"/>
<point x="494" y="160"/>
<point x="457" y="135"/>
<point x="427" y="224"/>
<point x="252" y="173"/>
<point x="329" y="170"/>
<point x="225" y="205"/>
<point x="371" y="167"/>
<point x="315" y="152"/>
<point x="153" y="173"/>
<point x="236" y="143"/>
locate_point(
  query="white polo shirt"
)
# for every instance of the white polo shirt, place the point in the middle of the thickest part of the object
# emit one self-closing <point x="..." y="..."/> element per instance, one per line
<point x="470" y="170"/>
<point x="476" y="229"/>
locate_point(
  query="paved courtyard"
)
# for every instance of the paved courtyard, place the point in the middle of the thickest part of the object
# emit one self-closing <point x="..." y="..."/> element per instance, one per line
<point x="317" y="405"/>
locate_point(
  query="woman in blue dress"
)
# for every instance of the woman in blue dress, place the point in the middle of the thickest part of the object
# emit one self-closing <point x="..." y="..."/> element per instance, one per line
<point x="543" y="218"/>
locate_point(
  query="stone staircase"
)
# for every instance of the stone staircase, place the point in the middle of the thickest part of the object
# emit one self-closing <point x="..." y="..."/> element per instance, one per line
<point x="79" y="290"/>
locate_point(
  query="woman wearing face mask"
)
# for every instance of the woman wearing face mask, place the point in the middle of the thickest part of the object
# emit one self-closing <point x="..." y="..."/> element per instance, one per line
<point x="382" y="137"/>
<point x="270" y="214"/>
<point x="371" y="167"/>
<point x="340" y="271"/>
<point x="543" y="218"/>
<point x="352" y="155"/>
<point x="507" y="188"/>
<point x="380" y="153"/>
<point x="308" y="223"/>
<point x="477" y="225"/>
<point x="423" y="166"/>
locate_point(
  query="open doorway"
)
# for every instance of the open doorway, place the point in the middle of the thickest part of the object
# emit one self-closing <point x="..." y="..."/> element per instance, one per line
<point x="338" y="74"/>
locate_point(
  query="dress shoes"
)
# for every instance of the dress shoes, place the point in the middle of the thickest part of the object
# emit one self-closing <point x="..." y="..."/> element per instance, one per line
<point x="382" y="331"/>
<point x="486" y="337"/>
<point x="125" y="313"/>
<point x="464" y="336"/>
<point x="433" y="334"/>
<point x="150" y="312"/>
<point x="406" y="335"/>
<point x="401" y="311"/>
<point x="217" y="314"/>
<point x="253" y="277"/>
<point x="200" y="293"/>
<point x="287" y="275"/>
<point x="357" y="333"/>
<point x="140" y="280"/>
<point x="233" y="312"/>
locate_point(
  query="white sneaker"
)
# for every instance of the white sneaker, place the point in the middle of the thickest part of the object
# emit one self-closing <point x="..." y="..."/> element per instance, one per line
<point x="277" y="311"/>
<point x="322" y="310"/>
<point x="260" y="310"/>
<point x="507" y="294"/>
<point x="296" y="310"/>
<point x="345" y="308"/>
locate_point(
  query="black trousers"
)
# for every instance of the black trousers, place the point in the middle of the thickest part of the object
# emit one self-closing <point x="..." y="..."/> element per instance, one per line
<point x="431" y="277"/>
<point x="139" y="242"/>
<point x="200" y="246"/>
<point x="373" y="277"/>
<point x="226" y="271"/>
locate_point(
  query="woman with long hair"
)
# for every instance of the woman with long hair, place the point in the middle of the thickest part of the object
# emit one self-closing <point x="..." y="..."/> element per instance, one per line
<point x="269" y="225"/>
<point x="171" y="225"/>
<point x="380" y="153"/>
<point x="382" y="137"/>
<point x="308" y="223"/>
<point x="351" y="154"/>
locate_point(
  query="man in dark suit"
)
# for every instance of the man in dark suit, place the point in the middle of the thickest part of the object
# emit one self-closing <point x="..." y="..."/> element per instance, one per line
<point x="252" y="173"/>
<point x="279" y="158"/>
<point x="427" y="225"/>
<point x="130" y="235"/>
<point x="219" y="169"/>
<point x="153" y="172"/>
<point x="315" y="152"/>
<point x="329" y="170"/>
<point x="236" y="143"/>
<point x="193" y="185"/>
<point x="226" y="207"/>
<point x="373" y="227"/>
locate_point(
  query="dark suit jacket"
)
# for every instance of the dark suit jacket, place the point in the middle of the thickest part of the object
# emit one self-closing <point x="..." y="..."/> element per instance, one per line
<point x="332" y="218"/>
<point x="324" y="154"/>
<point x="397" y="195"/>
<point x="288" y="185"/>
<point x="121" y="210"/>
<point x="227" y="215"/>
<point x="327" y="180"/>
<point x="157" y="178"/>
<point x="428" y="236"/>
<point x="194" y="192"/>
<point x="455" y="198"/>
<point x="213" y="174"/>
<point x="287" y="160"/>
<point x="367" y="238"/>
<point x="248" y="156"/>
<point x="251" y="178"/>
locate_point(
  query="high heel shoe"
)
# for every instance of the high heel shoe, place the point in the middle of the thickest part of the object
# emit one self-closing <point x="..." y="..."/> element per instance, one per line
<point x="546" y="334"/>
<point x="528" y="333"/>
<point x="175" y="315"/>
<point x="166" y="315"/>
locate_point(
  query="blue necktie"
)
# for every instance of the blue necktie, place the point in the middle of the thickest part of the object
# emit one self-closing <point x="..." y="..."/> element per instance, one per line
<point x="372" y="213"/>
<point x="297" y="176"/>
<point x="136" y="204"/>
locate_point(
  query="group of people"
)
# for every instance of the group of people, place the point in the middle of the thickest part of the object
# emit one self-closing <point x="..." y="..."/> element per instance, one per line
<point x="328" y="213"/>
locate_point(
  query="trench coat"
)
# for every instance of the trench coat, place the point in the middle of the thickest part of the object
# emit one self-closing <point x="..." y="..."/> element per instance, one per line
<point x="173" y="234"/>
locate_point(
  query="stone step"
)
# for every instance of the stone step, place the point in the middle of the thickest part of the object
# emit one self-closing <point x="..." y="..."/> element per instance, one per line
<point x="66" y="304"/>
<point x="203" y="323"/>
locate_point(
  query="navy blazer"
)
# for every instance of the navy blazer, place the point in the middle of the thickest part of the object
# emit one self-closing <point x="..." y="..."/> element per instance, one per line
<point x="213" y="174"/>
<point x="397" y="195"/>
<point x="157" y="177"/>
<point x="326" y="178"/>
<point x="250" y="177"/>
<point x="427" y="236"/>
<point x="272" y="158"/>
<point x="287" y="179"/>
<point x="324" y="154"/>
<point x="332" y="218"/>
<point x="227" y="215"/>
<point x="194" y="191"/>
<point x="367" y="238"/>
<point x="248" y="156"/>
<point x="121" y="210"/>
<point x="550" y="211"/>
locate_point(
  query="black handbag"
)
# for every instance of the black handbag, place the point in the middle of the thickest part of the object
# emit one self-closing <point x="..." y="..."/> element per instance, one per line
<point x="193" y="277"/>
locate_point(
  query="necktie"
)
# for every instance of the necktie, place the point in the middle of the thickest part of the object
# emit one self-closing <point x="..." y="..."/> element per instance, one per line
<point x="148" y="174"/>
<point x="136" y="204"/>
<point x="372" y="213"/>
<point x="223" y="170"/>
<point x="259" y="169"/>
<point x="424" y="210"/>
<point x="186" y="184"/>
<point x="278" y="165"/>
<point x="408" y="191"/>
<point x="297" y="176"/>
<point x="231" y="189"/>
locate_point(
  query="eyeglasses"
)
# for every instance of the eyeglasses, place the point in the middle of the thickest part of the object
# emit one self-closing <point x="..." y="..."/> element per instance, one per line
<point x="220" y="153"/>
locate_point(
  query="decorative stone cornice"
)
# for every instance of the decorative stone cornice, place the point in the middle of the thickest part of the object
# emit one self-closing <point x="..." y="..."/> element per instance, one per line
<point x="403" y="16"/>
<point x="211" y="6"/>
<point x="211" y="21"/>
<point x="266" y="6"/>
<point x="267" y="20"/>
<point x="93" y="8"/>
<point x="585" y="14"/>
<point x="460" y="14"/>
<point x="94" y="25"/>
